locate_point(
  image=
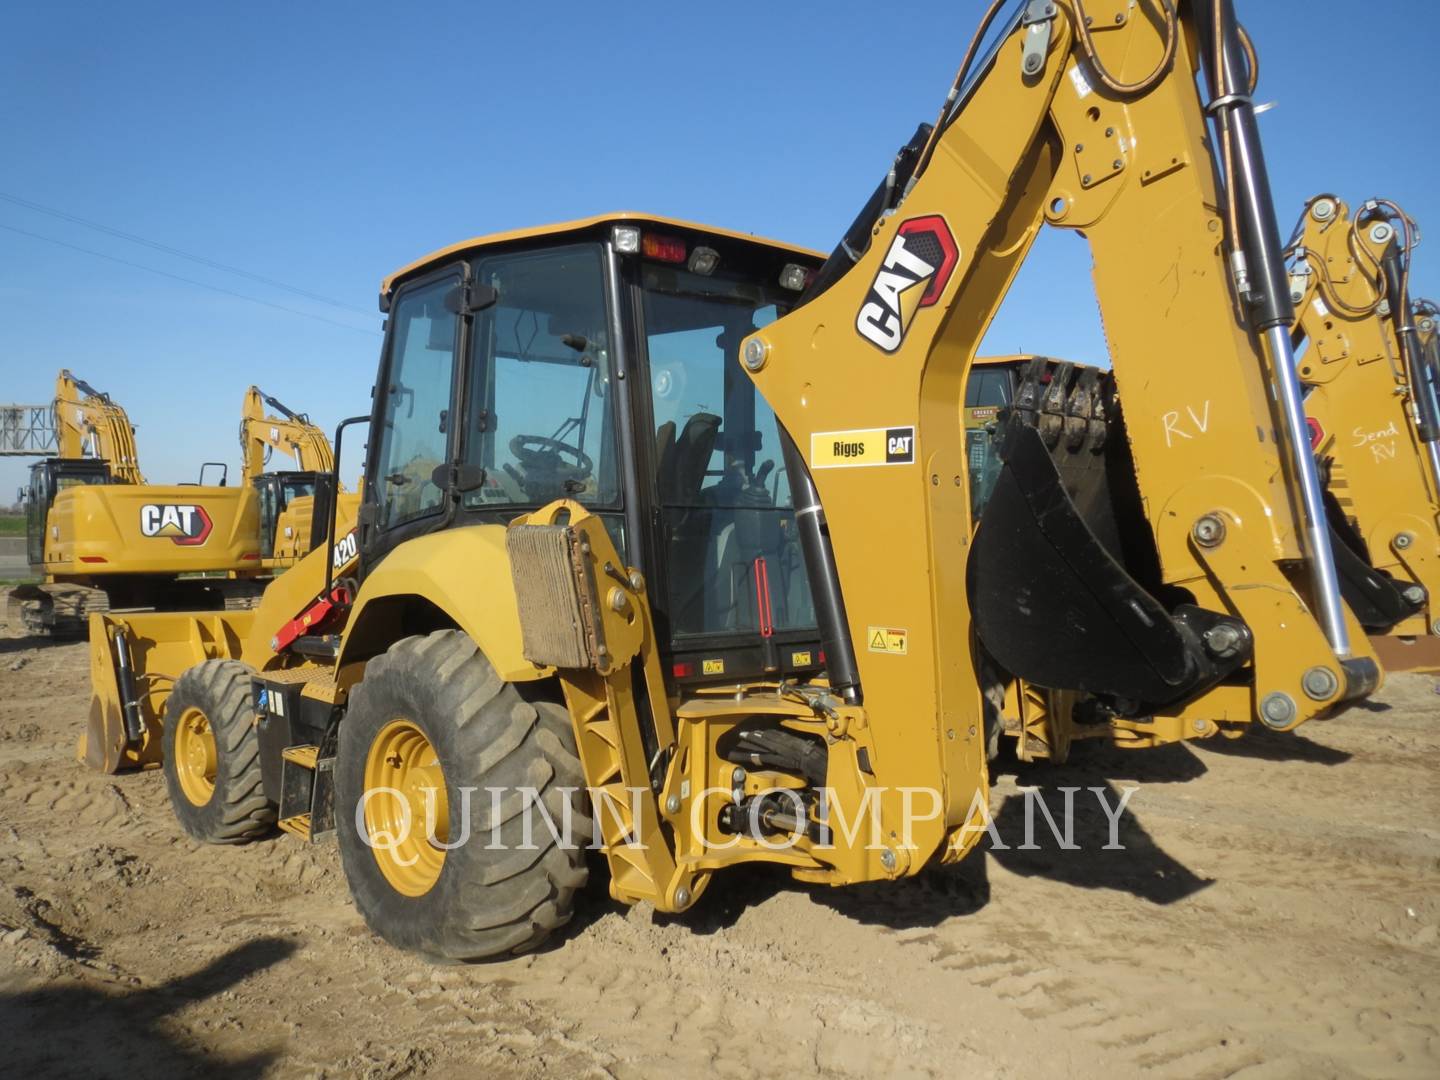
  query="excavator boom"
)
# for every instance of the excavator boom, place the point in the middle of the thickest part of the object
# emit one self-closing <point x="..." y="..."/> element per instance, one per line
<point x="89" y="423"/>
<point x="291" y="433"/>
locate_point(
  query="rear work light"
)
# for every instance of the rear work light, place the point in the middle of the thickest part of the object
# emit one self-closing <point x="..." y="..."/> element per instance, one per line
<point x="703" y="260"/>
<point x="663" y="248"/>
<point x="794" y="277"/>
<point x="626" y="239"/>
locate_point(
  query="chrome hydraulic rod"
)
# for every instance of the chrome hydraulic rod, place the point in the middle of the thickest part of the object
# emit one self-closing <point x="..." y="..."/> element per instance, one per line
<point x="1270" y="308"/>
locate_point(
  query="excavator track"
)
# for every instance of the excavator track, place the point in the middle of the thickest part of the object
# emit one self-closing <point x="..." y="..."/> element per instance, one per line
<point x="58" y="611"/>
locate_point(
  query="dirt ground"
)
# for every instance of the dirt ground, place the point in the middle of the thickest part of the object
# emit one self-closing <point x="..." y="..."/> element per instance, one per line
<point x="1274" y="914"/>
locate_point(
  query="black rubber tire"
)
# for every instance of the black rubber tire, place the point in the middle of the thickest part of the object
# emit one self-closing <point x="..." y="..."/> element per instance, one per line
<point x="487" y="902"/>
<point x="238" y="810"/>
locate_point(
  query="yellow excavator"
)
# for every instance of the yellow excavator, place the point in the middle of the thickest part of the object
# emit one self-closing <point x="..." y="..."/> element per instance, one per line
<point x="667" y="538"/>
<point x="289" y="522"/>
<point x="1374" y="416"/>
<point x="105" y="539"/>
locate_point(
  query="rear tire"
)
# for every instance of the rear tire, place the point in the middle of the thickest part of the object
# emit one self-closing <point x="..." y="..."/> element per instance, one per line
<point x="212" y="755"/>
<point x="438" y="701"/>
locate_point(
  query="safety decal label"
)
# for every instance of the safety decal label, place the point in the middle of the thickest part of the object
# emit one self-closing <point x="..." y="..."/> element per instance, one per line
<point x="712" y="667"/>
<point x="916" y="269"/>
<point x="867" y="446"/>
<point x="801" y="659"/>
<point x="887" y="639"/>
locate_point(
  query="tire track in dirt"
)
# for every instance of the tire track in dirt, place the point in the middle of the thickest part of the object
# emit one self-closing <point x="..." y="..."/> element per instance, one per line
<point x="1275" y="914"/>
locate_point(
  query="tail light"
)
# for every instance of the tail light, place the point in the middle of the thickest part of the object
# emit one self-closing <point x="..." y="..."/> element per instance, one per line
<point x="669" y="249"/>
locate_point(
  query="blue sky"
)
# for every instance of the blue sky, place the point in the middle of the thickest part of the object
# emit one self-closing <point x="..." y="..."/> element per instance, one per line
<point x="323" y="144"/>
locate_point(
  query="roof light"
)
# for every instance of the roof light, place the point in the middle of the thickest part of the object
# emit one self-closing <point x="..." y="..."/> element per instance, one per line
<point x="93" y="558"/>
<point x="664" y="248"/>
<point x="626" y="239"/>
<point x="704" y="260"/>
<point x="794" y="277"/>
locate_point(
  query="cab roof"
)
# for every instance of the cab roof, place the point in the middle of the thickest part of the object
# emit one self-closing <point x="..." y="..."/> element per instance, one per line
<point x="436" y="258"/>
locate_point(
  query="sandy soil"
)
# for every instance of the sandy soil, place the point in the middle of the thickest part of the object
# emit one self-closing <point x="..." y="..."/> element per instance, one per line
<point x="1275" y="914"/>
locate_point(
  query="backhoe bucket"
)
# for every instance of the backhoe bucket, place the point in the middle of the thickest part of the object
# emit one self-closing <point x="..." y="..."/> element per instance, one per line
<point x="1373" y="595"/>
<point x="1035" y="565"/>
<point x="1062" y="544"/>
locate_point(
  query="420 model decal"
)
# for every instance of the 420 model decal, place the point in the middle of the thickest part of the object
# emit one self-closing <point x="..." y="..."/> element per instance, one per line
<point x="916" y="269"/>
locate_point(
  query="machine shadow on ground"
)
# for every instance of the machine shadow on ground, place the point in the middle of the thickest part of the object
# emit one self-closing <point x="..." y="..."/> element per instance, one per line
<point x="86" y="1031"/>
<point x="1096" y="855"/>
<point x="1264" y="745"/>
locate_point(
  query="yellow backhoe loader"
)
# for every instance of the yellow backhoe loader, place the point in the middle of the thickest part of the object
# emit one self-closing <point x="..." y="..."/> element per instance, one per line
<point x="1374" y="416"/>
<point x="103" y="538"/>
<point x="667" y="535"/>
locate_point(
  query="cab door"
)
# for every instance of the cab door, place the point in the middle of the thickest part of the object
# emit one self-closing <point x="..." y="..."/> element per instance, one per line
<point x="413" y="433"/>
<point x="37" y="504"/>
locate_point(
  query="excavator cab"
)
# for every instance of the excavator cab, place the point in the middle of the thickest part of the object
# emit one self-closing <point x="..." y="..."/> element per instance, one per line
<point x="278" y="491"/>
<point x="47" y="479"/>
<point x="601" y="365"/>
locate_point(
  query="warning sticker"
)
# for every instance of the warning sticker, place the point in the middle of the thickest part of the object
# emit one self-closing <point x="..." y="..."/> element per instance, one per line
<point x="867" y="446"/>
<point x="887" y="639"/>
<point x="801" y="659"/>
<point x="712" y="667"/>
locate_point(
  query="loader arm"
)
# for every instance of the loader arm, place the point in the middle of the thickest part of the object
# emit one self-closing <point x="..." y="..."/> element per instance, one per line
<point x="1371" y="406"/>
<point x="1226" y="496"/>
<point x="291" y="433"/>
<point x="90" y="424"/>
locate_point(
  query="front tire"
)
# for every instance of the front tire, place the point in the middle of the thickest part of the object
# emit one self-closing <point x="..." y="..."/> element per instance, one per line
<point x="432" y="713"/>
<point x="212" y="755"/>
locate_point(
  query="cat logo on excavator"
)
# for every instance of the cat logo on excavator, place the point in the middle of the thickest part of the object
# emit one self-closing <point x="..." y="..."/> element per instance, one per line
<point x="187" y="525"/>
<point x="913" y="276"/>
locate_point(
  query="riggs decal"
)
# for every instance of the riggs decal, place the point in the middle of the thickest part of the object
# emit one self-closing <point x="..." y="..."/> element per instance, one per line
<point x="916" y="269"/>
<point x="185" y="524"/>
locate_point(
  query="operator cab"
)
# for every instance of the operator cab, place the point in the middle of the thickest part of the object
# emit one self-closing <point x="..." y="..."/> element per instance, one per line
<point x="277" y="490"/>
<point x="599" y="361"/>
<point x="47" y="479"/>
<point x="989" y="390"/>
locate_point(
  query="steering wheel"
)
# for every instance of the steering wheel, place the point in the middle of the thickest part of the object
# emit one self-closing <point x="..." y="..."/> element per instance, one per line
<point x="547" y="462"/>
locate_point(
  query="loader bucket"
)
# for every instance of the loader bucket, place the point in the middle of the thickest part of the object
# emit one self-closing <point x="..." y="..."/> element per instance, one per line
<point x="134" y="662"/>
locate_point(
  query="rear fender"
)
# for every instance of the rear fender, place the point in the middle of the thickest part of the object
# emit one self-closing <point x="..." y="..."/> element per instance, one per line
<point x="458" y="577"/>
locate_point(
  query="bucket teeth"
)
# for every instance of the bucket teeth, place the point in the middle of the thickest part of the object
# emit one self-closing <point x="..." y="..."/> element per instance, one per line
<point x="1065" y="402"/>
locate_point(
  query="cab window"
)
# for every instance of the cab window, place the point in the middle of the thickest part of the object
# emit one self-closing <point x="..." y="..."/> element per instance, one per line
<point x="540" y="410"/>
<point x="988" y="388"/>
<point x="415" y="415"/>
<point x="732" y="552"/>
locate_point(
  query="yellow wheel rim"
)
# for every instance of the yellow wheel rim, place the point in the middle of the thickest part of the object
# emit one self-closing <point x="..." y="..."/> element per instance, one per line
<point x="196" y="760"/>
<point x="407" y="813"/>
